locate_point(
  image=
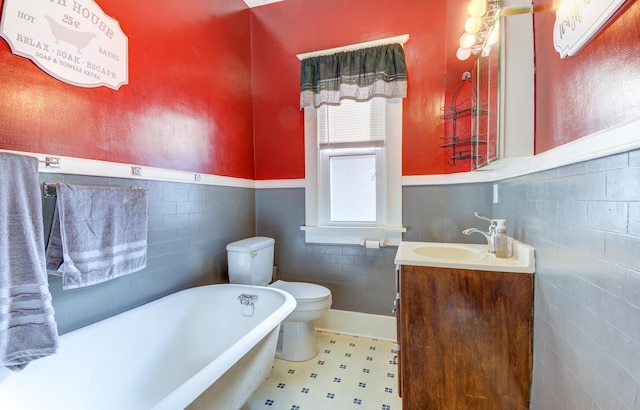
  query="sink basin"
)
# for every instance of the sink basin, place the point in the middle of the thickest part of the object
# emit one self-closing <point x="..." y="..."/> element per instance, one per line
<point x="451" y="251"/>
<point x="466" y="256"/>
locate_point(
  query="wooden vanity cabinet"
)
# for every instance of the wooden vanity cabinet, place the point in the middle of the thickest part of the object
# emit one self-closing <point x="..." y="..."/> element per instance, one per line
<point x="465" y="338"/>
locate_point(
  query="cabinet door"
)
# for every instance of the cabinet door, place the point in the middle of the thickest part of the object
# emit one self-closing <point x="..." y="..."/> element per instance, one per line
<point x="466" y="339"/>
<point x="413" y="332"/>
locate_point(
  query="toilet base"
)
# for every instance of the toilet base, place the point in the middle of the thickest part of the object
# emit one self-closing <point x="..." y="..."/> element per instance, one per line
<point x="297" y="341"/>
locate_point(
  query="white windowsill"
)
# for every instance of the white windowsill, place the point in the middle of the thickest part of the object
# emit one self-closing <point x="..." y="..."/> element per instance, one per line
<point x="348" y="235"/>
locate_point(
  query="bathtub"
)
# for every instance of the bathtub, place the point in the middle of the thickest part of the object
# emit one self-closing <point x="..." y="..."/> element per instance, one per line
<point x="194" y="348"/>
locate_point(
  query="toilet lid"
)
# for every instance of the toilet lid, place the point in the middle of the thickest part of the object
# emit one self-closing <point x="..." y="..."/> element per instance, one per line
<point x="302" y="290"/>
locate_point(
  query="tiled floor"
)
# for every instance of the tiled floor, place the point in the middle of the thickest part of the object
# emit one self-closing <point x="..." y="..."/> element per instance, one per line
<point x="348" y="373"/>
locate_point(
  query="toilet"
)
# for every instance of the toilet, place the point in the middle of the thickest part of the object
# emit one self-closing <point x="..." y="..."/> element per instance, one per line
<point x="251" y="263"/>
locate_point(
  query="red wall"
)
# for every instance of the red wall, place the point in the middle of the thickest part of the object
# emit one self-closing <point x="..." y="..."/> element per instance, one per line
<point x="575" y="97"/>
<point x="597" y="88"/>
<point x="282" y="30"/>
<point x="213" y="86"/>
<point x="187" y="105"/>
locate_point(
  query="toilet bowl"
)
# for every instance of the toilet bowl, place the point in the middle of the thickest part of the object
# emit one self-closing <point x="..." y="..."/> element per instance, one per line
<point x="251" y="263"/>
<point x="297" y="341"/>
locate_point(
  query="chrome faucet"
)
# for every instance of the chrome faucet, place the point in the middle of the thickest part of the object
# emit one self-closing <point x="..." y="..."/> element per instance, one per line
<point x="490" y="236"/>
<point x="247" y="303"/>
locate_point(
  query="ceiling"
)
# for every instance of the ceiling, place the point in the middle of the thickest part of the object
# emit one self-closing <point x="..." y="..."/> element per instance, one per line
<point x="256" y="3"/>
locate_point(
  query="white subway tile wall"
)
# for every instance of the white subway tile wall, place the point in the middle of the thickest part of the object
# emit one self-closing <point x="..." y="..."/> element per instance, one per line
<point x="583" y="221"/>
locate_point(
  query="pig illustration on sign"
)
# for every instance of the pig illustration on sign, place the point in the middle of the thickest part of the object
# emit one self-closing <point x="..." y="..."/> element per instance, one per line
<point x="78" y="39"/>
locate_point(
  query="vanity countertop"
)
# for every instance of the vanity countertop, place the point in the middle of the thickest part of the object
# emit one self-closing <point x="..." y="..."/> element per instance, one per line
<point x="466" y="256"/>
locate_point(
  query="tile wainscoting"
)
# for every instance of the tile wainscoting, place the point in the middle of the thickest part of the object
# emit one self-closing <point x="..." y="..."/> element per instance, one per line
<point x="189" y="227"/>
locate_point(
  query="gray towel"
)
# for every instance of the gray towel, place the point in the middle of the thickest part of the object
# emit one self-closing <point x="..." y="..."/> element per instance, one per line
<point x="98" y="234"/>
<point x="27" y="327"/>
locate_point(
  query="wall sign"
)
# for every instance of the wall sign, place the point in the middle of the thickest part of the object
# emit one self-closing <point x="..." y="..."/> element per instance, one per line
<point x="72" y="40"/>
<point x="577" y="21"/>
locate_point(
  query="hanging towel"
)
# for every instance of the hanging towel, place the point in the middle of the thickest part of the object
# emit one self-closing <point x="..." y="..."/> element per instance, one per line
<point x="98" y="234"/>
<point x="27" y="327"/>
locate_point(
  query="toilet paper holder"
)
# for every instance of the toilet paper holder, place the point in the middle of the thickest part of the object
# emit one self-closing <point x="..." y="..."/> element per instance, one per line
<point x="373" y="243"/>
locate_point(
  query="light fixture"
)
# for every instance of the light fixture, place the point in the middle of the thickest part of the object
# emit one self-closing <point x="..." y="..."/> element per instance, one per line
<point x="477" y="8"/>
<point x="463" y="53"/>
<point x="473" y="24"/>
<point x="482" y="27"/>
<point x="479" y="26"/>
<point x="467" y="40"/>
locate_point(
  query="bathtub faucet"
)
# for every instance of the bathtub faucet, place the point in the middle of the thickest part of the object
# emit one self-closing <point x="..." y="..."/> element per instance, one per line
<point x="246" y="302"/>
<point x="490" y="236"/>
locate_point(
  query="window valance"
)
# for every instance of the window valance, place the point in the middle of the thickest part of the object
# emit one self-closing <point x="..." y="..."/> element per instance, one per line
<point x="359" y="75"/>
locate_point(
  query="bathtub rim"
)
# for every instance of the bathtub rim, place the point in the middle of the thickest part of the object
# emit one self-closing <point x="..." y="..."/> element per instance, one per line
<point x="200" y="381"/>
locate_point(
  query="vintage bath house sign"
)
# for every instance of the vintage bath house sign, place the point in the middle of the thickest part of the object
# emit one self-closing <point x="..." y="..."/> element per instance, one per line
<point x="72" y="40"/>
<point x="577" y="21"/>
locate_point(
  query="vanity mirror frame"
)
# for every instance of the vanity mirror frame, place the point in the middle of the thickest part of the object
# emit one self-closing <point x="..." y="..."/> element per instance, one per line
<point x="505" y="91"/>
<point x="517" y="85"/>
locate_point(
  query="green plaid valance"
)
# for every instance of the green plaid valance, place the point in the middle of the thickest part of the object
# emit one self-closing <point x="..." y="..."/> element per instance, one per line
<point x="358" y="75"/>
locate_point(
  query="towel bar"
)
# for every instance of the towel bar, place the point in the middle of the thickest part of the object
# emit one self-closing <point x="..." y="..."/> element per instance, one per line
<point x="49" y="189"/>
<point x="50" y="162"/>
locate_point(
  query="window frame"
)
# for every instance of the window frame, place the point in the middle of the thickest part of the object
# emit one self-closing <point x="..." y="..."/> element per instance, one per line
<point x="389" y="228"/>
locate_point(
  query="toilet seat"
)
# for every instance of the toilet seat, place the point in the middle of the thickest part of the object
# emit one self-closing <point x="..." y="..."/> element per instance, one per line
<point x="303" y="292"/>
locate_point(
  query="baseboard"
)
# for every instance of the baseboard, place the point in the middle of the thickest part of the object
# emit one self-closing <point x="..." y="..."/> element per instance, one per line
<point x="358" y="324"/>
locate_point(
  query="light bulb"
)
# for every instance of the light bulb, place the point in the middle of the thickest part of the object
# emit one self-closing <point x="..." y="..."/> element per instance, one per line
<point x="472" y="25"/>
<point x="486" y="51"/>
<point x="463" y="53"/>
<point x="477" y="8"/>
<point x="467" y="40"/>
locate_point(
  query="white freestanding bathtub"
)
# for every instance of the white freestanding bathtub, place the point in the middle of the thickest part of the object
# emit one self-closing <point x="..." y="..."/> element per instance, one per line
<point x="196" y="348"/>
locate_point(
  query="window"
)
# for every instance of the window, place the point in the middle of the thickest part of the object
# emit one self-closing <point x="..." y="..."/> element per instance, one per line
<point x="353" y="172"/>
<point x="351" y="140"/>
<point x="352" y="186"/>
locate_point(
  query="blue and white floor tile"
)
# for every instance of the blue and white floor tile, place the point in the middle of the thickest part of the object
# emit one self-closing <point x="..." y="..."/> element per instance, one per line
<point x="348" y="373"/>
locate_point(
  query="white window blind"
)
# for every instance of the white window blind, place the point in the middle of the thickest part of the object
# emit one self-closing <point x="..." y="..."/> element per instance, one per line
<point x="352" y="123"/>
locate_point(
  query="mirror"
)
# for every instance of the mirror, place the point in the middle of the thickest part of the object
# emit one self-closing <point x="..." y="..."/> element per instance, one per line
<point x="503" y="76"/>
<point x="485" y="123"/>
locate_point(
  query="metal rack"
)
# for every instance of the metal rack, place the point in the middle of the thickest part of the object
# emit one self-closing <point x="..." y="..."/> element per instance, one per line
<point x="461" y="142"/>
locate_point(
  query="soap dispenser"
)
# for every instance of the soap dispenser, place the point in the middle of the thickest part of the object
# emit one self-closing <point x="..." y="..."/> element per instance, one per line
<point x="501" y="239"/>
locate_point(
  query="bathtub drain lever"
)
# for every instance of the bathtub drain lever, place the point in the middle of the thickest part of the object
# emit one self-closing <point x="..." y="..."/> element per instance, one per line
<point x="246" y="302"/>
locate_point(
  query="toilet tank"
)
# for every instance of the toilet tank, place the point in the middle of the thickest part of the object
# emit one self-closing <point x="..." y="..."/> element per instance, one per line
<point x="251" y="261"/>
